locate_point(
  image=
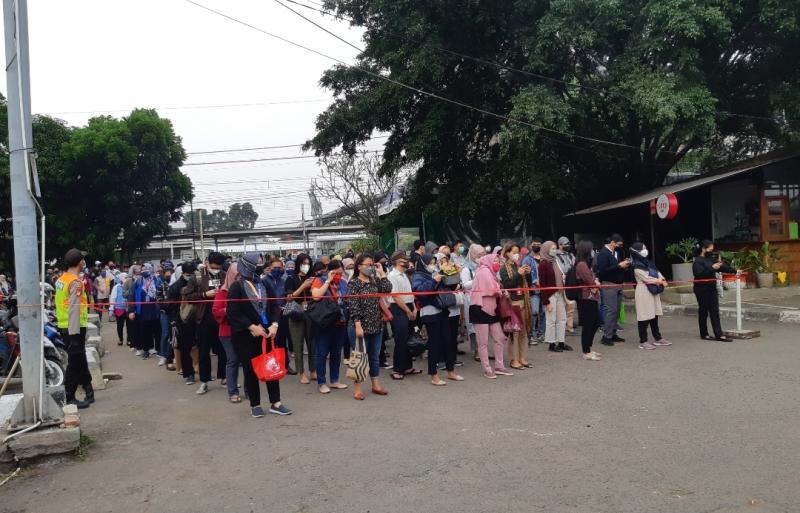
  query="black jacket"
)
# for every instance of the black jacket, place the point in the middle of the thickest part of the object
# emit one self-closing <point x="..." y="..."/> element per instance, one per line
<point x="703" y="269"/>
<point x="607" y="267"/>
<point x="242" y="314"/>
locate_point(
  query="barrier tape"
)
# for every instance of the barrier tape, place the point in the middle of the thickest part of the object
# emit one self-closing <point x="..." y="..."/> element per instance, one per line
<point x="621" y="286"/>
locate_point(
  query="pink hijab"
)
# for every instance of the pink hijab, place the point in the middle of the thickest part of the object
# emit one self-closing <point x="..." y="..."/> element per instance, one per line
<point x="230" y="276"/>
<point x="485" y="287"/>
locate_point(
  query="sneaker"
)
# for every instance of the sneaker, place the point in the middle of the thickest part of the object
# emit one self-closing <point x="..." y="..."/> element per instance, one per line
<point x="441" y="366"/>
<point x="280" y="410"/>
<point x="565" y="347"/>
<point x="82" y="405"/>
<point x="138" y="352"/>
<point x="554" y="348"/>
<point x="607" y="342"/>
<point x="592" y="356"/>
<point x="386" y="365"/>
<point x="145" y="356"/>
<point x="490" y="375"/>
<point x="257" y="412"/>
<point x="162" y="361"/>
<point x="617" y="338"/>
<point x="203" y="389"/>
<point x="573" y="333"/>
<point x="190" y="380"/>
<point x="459" y="363"/>
<point x="662" y="342"/>
<point x="647" y="345"/>
<point x="503" y="372"/>
<point x="533" y="342"/>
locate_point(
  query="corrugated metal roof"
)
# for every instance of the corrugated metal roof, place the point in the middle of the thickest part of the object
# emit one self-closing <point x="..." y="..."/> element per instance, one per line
<point x="716" y="176"/>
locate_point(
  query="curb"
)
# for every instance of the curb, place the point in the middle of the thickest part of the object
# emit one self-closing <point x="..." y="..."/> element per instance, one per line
<point x="748" y="314"/>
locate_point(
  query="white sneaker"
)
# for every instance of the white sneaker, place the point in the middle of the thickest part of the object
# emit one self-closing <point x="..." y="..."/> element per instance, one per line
<point x="153" y="351"/>
<point x="138" y="352"/>
<point x="203" y="389"/>
<point x="162" y="361"/>
<point x="592" y="356"/>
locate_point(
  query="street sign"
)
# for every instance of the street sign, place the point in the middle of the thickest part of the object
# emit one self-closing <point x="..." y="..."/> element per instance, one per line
<point x="667" y="206"/>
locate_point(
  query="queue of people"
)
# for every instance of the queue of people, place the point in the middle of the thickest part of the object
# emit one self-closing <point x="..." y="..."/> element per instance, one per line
<point x="499" y="301"/>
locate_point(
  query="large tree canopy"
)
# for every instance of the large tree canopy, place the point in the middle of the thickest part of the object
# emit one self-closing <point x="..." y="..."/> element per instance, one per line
<point x="113" y="184"/>
<point x="239" y="216"/>
<point x="715" y="79"/>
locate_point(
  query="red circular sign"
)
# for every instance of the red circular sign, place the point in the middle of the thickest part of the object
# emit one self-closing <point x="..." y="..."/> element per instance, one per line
<point x="667" y="206"/>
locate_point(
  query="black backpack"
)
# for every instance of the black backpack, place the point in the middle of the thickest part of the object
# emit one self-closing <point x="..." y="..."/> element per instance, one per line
<point x="571" y="281"/>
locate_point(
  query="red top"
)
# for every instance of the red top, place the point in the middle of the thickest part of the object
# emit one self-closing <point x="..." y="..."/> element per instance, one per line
<point x="333" y="289"/>
<point x="547" y="278"/>
<point x="218" y="310"/>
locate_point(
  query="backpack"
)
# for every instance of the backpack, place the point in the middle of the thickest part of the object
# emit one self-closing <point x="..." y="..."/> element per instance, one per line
<point x="573" y="294"/>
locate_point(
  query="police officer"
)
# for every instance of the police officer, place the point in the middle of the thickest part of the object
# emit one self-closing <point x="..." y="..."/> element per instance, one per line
<point x="72" y="315"/>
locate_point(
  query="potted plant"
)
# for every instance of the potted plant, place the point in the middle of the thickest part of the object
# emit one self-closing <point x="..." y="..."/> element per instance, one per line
<point x="735" y="259"/>
<point x="760" y="261"/>
<point x="684" y="252"/>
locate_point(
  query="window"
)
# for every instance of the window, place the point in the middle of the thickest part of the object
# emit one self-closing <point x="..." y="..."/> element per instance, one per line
<point x="780" y="201"/>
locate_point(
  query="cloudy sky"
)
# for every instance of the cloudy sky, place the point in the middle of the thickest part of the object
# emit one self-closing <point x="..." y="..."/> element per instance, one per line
<point x="223" y="85"/>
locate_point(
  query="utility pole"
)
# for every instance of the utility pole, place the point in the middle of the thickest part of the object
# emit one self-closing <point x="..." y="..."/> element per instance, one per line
<point x="305" y="235"/>
<point x="37" y="406"/>
<point x="202" y="239"/>
<point x="191" y="210"/>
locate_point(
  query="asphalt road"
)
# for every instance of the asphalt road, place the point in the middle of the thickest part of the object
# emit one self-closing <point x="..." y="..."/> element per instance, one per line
<point x="698" y="427"/>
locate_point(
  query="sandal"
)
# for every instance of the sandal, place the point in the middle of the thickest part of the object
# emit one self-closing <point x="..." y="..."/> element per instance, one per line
<point x="412" y="372"/>
<point x="723" y="338"/>
<point x="235" y="399"/>
<point x="517" y="367"/>
<point x="170" y="367"/>
<point x="708" y="337"/>
<point x="397" y="376"/>
<point x="358" y="396"/>
<point x="379" y="391"/>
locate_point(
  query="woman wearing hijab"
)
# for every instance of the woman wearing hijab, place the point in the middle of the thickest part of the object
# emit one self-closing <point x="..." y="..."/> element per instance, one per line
<point x="648" y="304"/>
<point x="144" y="310"/>
<point x="366" y="319"/>
<point x="551" y="279"/>
<point x="219" y="311"/>
<point x="331" y="339"/>
<point x="588" y="311"/>
<point x="475" y="253"/>
<point x="249" y="312"/>
<point x="434" y="320"/>
<point x="483" y="316"/>
<point x="301" y="331"/>
<point x="514" y="276"/>
<point x="118" y="308"/>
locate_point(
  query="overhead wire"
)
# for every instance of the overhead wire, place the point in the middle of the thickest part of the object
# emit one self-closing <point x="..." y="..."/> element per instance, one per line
<point x="191" y="107"/>
<point x="266" y="159"/>
<point x="259" y="148"/>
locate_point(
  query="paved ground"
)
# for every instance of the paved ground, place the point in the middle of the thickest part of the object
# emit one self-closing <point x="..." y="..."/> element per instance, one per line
<point x="699" y="427"/>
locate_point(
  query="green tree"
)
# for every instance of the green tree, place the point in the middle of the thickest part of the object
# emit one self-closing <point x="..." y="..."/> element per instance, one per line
<point x="242" y="216"/>
<point x="239" y="216"/>
<point x="660" y="78"/>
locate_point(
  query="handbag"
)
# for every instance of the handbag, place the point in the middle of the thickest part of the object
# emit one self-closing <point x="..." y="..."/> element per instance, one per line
<point x="654" y="289"/>
<point x="188" y="312"/>
<point x="505" y="309"/>
<point x="445" y="300"/>
<point x="514" y="323"/>
<point x="269" y="365"/>
<point x="416" y="345"/>
<point x="294" y="311"/>
<point x="324" y="312"/>
<point x="358" y="364"/>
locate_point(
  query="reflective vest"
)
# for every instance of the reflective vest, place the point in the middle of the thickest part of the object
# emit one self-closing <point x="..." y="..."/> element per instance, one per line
<point x="62" y="301"/>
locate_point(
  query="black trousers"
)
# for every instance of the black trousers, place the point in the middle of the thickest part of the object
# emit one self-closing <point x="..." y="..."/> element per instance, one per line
<point x="438" y="328"/>
<point x="589" y="315"/>
<point x="401" y="358"/>
<point x="247" y="347"/>
<point x="123" y="323"/>
<point x="77" y="372"/>
<point x="708" y="306"/>
<point x="187" y="338"/>
<point x="208" y="339"/>
<point x="452" y="339"/>
<point x="149" y="333"/>
<point x="653" y="323"/>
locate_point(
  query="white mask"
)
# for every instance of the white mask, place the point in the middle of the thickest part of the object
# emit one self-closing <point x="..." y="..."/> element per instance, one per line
<point x="488" y="249"/>
<point x="431" y="268"/>
<point x="515" y="257"/>
<point x="348" y="273"/>
<point x="213" y="271"/>
<point x="305" y="268"/>
<point x="553" y="252"/>
<point x="644" y="253"/>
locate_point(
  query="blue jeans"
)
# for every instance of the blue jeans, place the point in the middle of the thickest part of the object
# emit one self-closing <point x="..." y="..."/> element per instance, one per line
<point x="165" y="346"/>
<point x="231" y="366"/>
<point x="329" y="343"/>
<point x="373" y="348"/>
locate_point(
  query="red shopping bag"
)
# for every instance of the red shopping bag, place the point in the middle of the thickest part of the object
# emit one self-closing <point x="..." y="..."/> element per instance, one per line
<point x="270" y="365"/>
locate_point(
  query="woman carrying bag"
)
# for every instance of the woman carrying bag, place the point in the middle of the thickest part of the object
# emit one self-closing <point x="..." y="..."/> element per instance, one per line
<point x="219" y="310"/>
<point x="332" y="337"/>
<point x="649" y="285"/>
<point x="249" y="311"/>
<point x="483" y="316"/>
<point x="366" y="319"/>
<point x="514" y="276"/>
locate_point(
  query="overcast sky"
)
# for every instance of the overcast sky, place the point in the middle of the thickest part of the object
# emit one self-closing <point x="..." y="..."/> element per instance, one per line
<point x="107" y="55"/>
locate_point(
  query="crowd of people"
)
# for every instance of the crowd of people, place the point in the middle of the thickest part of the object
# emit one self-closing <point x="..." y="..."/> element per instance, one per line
<point x="432" y="299"/>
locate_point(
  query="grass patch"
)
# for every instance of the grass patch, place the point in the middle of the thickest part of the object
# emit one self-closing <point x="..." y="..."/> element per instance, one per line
<point x="83" y="446"/>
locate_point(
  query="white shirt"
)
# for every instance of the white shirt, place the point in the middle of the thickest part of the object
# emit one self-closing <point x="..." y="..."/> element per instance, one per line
<point x="400" y="284"/>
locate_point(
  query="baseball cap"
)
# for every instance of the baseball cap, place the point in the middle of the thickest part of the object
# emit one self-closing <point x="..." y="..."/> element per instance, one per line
<point x="73" y="257"/>
<point x="563" y="241"/>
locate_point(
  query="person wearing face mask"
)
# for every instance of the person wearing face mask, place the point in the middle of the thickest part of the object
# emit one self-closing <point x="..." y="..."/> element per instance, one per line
<point x="611" y="268"/>
<point x="476" y="252"/>
<point x="144" y="310"/>
<point x="515" y="276"/>
<point x="483" y="316"/>
<point x="102" y="284"/>
<point x="366" y="319"/>
<point x="72" y="318"/>
<point x="301" y="330"/>
<point x="165" y="349"/>
<point x="459" y="254"/>
<point x="552" y="282"/>
<point x="404" y="314"/>
<point x="220" y="311"/>
<point x="275" y="280"/>
<point x="200" y="290"/>
<point x="648" y="303"/>
<point x="531" y="260"/>
<point x="349" y="269"/>
<point x="705" y="267"/>
<point x="587" y="302"/>
<point x="331" y="339"/>
<point x="566" y="261"/>
<point x="119" y="308"/>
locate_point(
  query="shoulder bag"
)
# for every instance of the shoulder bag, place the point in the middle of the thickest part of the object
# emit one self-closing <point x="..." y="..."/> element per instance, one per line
<point x="654" y="289"/>
<point x="358" y="364"/>
<point x="294" y="311"/>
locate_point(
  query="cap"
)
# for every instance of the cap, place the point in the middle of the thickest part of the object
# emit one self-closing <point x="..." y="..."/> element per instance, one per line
<point x="563" y="241"/>
<point x="216" y="258"/>
<point x="168" y="265"/>
<point x="73" y="257"/>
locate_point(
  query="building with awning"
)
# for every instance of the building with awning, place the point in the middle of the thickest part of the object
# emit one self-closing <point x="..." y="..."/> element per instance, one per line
<point x="740" y="205"/>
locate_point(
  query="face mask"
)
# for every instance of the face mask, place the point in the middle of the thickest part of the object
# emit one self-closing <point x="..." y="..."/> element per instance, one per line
<point x="462" y="250"/>
<point x="259" y="270"/>
<point x="536" y="249"/>
<point x="305" y="268"/>
<point x="496" y="267"/>
<point x="515" y="257"/>
<point x="644" y="253"/>
<point x="276" y="273"/>
<point x="594" y="254"/>
<point x="431" y="268"/>
<point x="348" y="274"/>
<point x="369" y="272"/>
<point x="213" y="272"/>
<point x="565" y="249"/>
<point x="146" y="274"/>
<point x="553" y="252"/>
<point x="488" y="249"/>
<point x="103" y="274"/>
<point x="336" y="278"/>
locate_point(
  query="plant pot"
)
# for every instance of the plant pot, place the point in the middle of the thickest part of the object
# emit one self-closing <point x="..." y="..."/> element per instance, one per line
<point x="683" y="272"/>
<point x="729" y="280"/>
<point x="765" y="280"/>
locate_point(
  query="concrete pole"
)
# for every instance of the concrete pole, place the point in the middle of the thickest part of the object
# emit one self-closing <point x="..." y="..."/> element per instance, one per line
<point x="738" y="301"/>
<point x="36" y="401"/>
<point x="202" y="238"/>
<point x="303" y="218"/>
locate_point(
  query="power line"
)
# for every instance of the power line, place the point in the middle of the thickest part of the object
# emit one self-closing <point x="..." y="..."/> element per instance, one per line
<point x="269" y="158"/>
<point x="257" y="148"/>
<point x="426" y="93"/>
<point x="190" y="107"/>
<point x="510" y="68"/>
